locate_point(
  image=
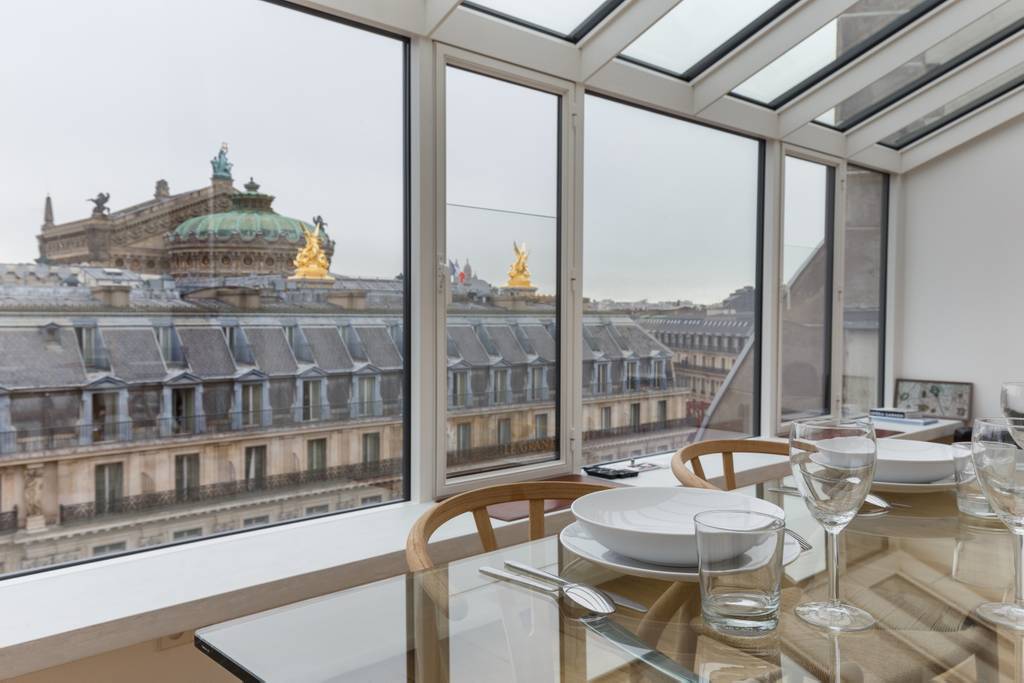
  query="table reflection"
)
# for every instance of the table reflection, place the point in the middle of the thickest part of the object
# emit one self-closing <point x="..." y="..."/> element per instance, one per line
<point x="920" y="571"/>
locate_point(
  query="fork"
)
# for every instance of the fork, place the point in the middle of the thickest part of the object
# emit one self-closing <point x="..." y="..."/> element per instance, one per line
<point x="801" y="541"/>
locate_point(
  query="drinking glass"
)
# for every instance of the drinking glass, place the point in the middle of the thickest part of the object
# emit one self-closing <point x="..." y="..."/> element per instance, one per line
<point x="739" y="556"/>
<point x="833" y="463"/>
<point x="1011" y="399"/>
<point x="998" y="452"/>
<point x="970" y="499"/>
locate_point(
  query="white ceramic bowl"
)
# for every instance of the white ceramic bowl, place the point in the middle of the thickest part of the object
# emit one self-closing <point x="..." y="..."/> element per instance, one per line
<point x="655" y="523"/>
<point x="902" y="461"/>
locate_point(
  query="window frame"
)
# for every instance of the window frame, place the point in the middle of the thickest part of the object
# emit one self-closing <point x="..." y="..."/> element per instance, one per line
<point x="576" y="35"/>
<point x="836" y="282"/>
<point x="568" y="407"/>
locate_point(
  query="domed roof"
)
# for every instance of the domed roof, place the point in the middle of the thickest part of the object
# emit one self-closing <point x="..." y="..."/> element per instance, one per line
<point x="250" y="218"/>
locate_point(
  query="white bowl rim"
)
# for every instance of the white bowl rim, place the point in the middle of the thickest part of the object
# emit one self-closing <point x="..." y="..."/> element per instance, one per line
<point x="666" y="532"/>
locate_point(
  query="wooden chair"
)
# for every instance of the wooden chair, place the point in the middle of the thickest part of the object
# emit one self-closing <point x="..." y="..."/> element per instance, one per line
<point x="691" y="454"/>
<point x="477" y="501"/>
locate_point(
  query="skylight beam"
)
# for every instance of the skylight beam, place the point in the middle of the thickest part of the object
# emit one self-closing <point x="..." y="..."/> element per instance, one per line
<point x="1007" y="108"/>
<point x="783" y="34"/>
<point x="618" y="32"/>
<point x="929" y="30"/>
<point x="957" y="83"/>
<point x="435" y="12"/>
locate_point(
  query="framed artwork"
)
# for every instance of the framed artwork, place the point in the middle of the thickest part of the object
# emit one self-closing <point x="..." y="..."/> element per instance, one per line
<point x="949" y="400"/>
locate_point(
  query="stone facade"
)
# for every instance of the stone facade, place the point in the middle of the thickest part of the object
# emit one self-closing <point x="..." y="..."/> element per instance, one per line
<point x="215" y="231"/>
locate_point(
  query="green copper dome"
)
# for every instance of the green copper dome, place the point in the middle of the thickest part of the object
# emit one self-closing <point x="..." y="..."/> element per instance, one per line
<point x="250" y="218"/>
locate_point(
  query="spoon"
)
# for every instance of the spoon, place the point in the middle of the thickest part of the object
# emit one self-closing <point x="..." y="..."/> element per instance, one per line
<point x="583" y="597"/>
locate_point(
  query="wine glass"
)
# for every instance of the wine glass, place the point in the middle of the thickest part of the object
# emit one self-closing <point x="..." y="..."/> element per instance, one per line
<point x="833" y="463"/>
<point x="1011" y="399"/>
<point x="998" y="453"/>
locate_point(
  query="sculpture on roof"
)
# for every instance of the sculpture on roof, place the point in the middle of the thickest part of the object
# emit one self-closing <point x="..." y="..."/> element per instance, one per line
<point x="99" y="202"/>
<point x="519" y="271"/>
<point x="221" y="165"/>
<point x="321" y="225"/>
<point x="311" y="263"/>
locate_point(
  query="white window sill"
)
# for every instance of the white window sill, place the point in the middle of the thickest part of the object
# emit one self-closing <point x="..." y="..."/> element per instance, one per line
<point x="66" y="614"/>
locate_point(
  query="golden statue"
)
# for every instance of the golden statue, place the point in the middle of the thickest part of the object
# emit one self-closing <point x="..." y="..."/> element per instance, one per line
<point x="519" y="272"/>
<point x="311" y="262"/>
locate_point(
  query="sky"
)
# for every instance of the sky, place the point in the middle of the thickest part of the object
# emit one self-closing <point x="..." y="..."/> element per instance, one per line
<point x="113" y="95"/>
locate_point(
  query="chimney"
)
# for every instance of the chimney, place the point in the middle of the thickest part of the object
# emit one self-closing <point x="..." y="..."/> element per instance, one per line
<point x="112" y="296"/>
<point x="48" y="213"/>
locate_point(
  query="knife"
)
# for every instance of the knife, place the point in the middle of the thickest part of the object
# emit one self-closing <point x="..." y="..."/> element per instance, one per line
<point x="615" y="634"/>
<point x="623" y="639"/>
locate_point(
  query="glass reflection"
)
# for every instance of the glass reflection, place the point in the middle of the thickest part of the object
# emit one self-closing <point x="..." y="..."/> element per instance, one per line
<point x="863" y="25"/>
<point x="956" y="108"/>
<point x="966" y="43"/>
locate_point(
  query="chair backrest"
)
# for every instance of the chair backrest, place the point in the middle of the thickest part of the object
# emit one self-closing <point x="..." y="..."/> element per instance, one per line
<point x="691" y="454"/>
<point x="477" y="501"/>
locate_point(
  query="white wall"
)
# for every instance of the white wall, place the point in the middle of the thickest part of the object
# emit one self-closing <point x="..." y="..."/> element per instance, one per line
<point x="962" y="294"/>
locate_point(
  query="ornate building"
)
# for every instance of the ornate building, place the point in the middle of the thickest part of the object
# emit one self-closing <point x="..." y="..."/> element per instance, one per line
<point x="212" y="231"/>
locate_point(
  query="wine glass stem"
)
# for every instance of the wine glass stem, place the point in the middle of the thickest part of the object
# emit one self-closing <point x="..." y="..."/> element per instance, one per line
<point x="832" y="557"/>
<point x="1018" y="569"/>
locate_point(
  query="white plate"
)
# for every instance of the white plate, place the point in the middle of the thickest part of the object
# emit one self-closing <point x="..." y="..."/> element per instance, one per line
<point x="655" y="523"/>
<point x="575" y="539"/>
<point x="901" y="461"/>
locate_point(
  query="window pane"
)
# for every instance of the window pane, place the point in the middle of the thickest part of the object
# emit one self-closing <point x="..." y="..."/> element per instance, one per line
<point x="670" y="269"/>
<point x="696" y="28"/>
<point x="953" y="110"/>
<point x="930" y="64"/>
<point x="156" y="380"/>
<point x="563" y="17"/>
<point x="867" y="208"/>
<point x="502" y="246"/>
<point x="863" y="25"/>
<point x="806" y="295"/>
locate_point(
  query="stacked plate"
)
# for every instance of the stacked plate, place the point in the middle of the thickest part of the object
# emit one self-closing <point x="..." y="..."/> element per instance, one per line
<point x="649" y="531"/>
<point x="913" y="466"/>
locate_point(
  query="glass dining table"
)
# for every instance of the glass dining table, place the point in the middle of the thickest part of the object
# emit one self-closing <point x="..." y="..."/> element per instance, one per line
<point x="920" y="571"/>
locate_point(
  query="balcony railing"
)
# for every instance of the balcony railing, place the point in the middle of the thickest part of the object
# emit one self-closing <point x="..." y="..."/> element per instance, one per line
<point x="631" y="386"/>
<point x="21" y="440"/>
<point x="228" y="490"/>
<point x="501" y="398"/>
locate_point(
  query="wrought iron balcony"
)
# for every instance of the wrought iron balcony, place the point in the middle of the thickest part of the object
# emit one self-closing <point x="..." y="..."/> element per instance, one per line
<point x="28" y="440"/>
<point x="230" y="490"/>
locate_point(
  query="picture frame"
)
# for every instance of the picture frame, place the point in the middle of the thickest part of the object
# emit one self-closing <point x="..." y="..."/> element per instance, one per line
<point x="935" y="398"/>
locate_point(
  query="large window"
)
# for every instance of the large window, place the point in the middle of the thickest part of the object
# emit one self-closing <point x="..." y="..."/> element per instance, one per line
<point x="246" y="165"/>
<point x="671" y="225"/>
<point x="805" y="303"/>
<point x="864" y="278"/>
<point x="502" y="233"/>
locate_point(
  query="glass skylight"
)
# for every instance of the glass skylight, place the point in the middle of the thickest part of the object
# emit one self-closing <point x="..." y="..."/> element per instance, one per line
<point x="565" y="18"/>
<point x="839" y="41"/>
<point x="957" y="108"/>
<point x="941" y="58"/>
<point x="690" y="37"/>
